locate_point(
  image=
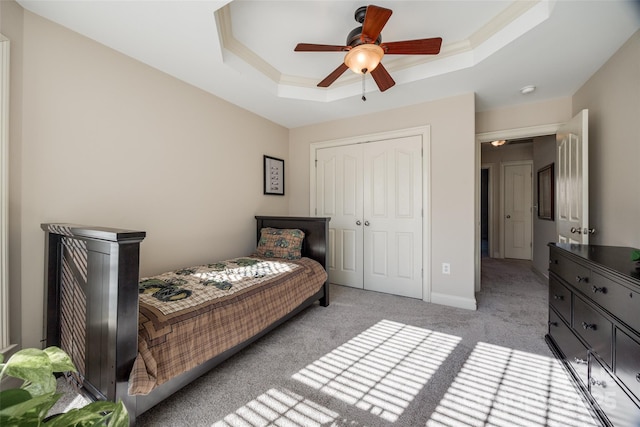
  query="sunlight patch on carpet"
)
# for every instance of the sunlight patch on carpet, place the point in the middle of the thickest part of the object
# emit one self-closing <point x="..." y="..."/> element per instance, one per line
<point x="381" y="370"/>
<point x="281" y="407"/>
<point x="499" y="386"/>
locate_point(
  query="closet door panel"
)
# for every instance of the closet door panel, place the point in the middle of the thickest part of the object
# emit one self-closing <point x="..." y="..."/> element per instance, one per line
<point x="393" y="207"/>
<point x="339" y="195"/>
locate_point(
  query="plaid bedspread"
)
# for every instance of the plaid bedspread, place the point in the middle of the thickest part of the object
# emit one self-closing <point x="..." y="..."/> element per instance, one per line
<point x="190" y="315"/>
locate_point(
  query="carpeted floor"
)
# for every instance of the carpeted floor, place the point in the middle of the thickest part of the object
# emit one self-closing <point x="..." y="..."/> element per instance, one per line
<point x="371" y="359"/>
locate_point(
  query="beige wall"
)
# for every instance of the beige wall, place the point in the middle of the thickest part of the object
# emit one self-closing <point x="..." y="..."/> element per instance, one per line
<point x="451" y="177"/>
<point x="531" y="115"/>
<point x="106" y="140"/>
<point x="612" y="96"/>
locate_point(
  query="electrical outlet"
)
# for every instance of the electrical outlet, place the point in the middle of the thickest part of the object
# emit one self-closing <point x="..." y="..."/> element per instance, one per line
<point x="446" y="268"/>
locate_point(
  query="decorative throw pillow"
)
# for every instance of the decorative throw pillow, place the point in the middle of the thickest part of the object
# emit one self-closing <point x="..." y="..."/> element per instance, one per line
<point x="280" y="243"/>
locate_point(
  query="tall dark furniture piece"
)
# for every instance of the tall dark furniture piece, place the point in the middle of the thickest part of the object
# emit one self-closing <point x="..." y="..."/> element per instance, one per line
<point x="594" y="326"/>
<point x="92" y="305"/>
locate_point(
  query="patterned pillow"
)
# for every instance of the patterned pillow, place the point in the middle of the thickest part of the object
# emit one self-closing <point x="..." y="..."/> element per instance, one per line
<point x="280" y="243"/>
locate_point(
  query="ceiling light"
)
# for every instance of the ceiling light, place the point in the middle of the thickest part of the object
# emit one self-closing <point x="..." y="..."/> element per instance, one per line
<point x="363" y="58"/>
<point x="527" y="89"/>
<point x="498" y="142"/>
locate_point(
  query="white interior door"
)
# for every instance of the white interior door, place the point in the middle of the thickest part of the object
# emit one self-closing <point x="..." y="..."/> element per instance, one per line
<point x="339" y="196"/>
<point x="393" y="216"/>
<point x="572" y="180"/>
<point x="373" y="194"/>
<point x="518" y="221"/>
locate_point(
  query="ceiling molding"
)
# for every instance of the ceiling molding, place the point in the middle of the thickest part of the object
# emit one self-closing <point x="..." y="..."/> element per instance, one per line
<point x="490" y="38"/>
<point x="526" y="132"/>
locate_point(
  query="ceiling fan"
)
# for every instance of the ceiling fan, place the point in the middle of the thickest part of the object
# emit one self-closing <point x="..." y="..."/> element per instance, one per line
<point x="365" y="48"/>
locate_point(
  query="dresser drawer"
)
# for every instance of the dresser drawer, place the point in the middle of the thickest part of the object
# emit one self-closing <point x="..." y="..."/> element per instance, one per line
<point x="568" y="270"/>
<point x="627" y="364"/>
<point x="612" y="399"/>
<point x="573" y="350"/>
<point x="560" y="298"/>
<point x="616" y="298"/>
<point x="593" y="327"/>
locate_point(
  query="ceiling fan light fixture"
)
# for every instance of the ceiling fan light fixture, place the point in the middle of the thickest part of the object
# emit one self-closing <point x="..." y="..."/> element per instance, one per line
<point x="527" y="89"/>
<point x="364" y="58"/>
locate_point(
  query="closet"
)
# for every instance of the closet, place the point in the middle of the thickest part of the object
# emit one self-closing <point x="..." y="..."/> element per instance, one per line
<point x="373" y="193"/>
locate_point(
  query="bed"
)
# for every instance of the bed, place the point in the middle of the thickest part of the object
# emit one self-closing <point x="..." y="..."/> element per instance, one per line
<point x="140" y="340"/>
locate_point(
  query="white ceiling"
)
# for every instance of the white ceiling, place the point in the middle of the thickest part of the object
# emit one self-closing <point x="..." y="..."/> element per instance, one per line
<point x="242" y="51"/>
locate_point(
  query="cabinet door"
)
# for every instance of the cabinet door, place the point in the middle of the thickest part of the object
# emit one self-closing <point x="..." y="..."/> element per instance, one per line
<point x="628" y="361"/>
<point x="339" y="196"/>
<point x="612" y="399"/>
<point x="393" y="216"/>
<point x="593" y="327"/>
<point x="575" y="353"/>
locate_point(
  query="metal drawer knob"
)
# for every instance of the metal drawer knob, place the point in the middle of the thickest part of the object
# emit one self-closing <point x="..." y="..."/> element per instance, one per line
<point x="638" y="377"/>
<point x="596" y="289"/>
<point x="588" y="326"/>
<point x="581" y="279"/>
<point x="556" y="324"/>
<point x="558" y="297"/>
<point x="579" y="361"/>
<point x="598" y="383"/>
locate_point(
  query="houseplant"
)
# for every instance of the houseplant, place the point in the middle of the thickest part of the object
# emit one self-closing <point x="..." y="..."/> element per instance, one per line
<point x="29" y="404"/>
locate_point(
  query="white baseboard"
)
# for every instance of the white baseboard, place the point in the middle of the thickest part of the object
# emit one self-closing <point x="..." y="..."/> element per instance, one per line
<point x="454" y="301"/>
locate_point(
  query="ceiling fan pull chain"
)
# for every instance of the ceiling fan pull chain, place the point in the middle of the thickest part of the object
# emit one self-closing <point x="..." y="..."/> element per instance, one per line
<point x="364" y="98"/>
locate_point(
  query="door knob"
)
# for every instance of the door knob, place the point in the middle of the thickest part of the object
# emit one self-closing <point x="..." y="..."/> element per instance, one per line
<point x="358" y="222"/>
<point x="575" y="230"/>
<point x="366" y="223"/>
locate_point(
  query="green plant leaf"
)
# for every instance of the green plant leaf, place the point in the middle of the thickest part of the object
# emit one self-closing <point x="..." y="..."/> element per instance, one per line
<point x="99" y="413"/>
<point x="13" y="396"/>
<point x="29" y="364"/>
<point x="60" y="361"/>
<point x="635" y="255"/>
<point x="76" y="417"/>
<point x="46" y="385"/>
<point x="22" y="422"/>
<point x="37" y="407"/>
<point x="119" y="417"/>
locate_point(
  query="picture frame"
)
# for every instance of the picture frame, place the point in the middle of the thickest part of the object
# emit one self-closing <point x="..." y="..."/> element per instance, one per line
<point x="273" y="176"/>
<point x="546" y="194"/>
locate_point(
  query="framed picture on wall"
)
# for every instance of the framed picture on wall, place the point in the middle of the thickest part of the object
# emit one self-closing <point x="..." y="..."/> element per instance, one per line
<point x="273" y="176"/>
<point x="545" y="192"/>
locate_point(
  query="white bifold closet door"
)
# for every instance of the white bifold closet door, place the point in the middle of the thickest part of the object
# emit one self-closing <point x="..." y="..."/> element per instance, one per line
<point x="373" y="194"/>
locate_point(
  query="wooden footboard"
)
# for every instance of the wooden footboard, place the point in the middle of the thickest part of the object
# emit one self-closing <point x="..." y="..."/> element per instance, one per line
<point x="92" y="276"/>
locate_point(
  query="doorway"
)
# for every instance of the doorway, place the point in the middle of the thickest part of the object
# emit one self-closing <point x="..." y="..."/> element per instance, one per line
<point x="493" y="166"/>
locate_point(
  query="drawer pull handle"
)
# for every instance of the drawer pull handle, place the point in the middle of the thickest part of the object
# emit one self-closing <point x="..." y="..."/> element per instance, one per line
<point x="556" y="324"/>
<point x="553" y="261"/>
<point x="559" y="297"/>
<point x="587" y="326"/>
<point x="598" y="383"/>
<point x="596" y="289"/>
<point x="579" y="361"/>
<point x="581" y="279"/>
<point x="638" y="377"/>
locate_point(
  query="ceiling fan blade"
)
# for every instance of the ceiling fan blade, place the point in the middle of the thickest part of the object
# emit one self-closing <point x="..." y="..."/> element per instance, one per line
<point x="309" y="47"/>
<point x="382" y="77"/>
<point x="333" y="76"/>
<point x="374" y="20"/>
<point x="413" y="47"/>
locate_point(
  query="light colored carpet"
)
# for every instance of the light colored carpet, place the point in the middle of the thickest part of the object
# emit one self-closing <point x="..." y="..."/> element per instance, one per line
<point x="371" y="359"/>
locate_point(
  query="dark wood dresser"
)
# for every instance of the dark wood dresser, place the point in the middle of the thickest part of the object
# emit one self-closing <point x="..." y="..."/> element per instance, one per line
<point x="594" y="326"/>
